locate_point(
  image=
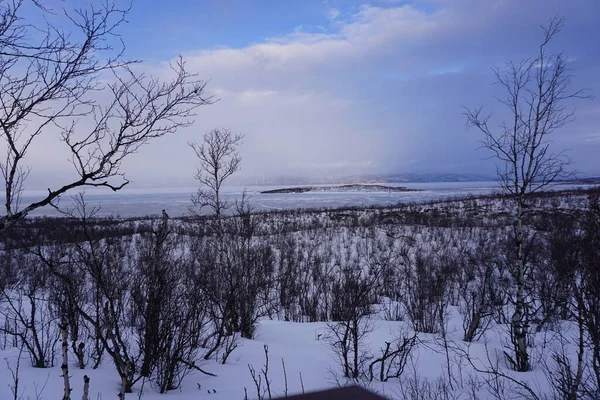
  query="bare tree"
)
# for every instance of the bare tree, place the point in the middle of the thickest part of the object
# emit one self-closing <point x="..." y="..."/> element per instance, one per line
<point x="538" y="92"/>
<point x="393" y="358"/>
<point x="51" y="78"/>
<point x="219" y="159"/>
<point x="353" y="295"/>
<point x="27" y="311"/>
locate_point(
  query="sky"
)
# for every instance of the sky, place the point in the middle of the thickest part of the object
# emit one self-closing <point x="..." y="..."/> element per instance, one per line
<point x="334" y="88"/>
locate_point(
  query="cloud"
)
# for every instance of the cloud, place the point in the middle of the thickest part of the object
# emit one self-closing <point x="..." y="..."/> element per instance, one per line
<point x="332" y="14"/>
<point x="379" y="90"/>
<point x="255" y="96"/>
<point x="312" y="102"/>
<point x="594" y="138"/>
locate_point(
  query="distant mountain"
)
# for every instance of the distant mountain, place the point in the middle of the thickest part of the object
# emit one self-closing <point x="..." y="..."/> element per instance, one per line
<point x="352" y="188"/>
<point x="365" y="179"/>
<point x="595" y="180"/>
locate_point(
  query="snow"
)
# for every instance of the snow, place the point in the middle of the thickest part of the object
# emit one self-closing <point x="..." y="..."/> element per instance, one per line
<point x="134" y="202"/>
<point x="305" y="352"/>
<point x="309" y="360"/>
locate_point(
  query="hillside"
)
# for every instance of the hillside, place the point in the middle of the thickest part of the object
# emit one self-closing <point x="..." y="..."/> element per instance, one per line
<point x="342" y="189"/>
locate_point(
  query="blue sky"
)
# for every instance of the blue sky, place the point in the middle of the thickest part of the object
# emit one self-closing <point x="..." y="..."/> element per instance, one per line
<point x="332" y="87"/>
<point x="164" y="29"/>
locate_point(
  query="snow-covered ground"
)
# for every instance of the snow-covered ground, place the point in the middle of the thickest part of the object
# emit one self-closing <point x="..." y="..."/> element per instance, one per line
<point x="310" y="364"/>
<point x="321" y="244"/>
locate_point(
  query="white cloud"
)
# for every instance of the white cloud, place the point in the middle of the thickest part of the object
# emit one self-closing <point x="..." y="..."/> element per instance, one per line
<point x="324" y="101"/>
<point x="255" y="96"/>
<point x="332" y="14"/>
<point x="593" y="138"/>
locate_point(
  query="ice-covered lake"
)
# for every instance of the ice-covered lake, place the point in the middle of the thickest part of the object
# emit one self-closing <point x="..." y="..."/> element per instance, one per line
<point x="131" y="202"/>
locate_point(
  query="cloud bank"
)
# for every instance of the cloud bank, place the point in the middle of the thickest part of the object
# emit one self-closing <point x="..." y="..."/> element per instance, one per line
<point x="378" y="88"/>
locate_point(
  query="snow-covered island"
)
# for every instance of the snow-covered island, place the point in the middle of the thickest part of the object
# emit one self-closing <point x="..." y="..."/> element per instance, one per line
<point x="341" y="188"/>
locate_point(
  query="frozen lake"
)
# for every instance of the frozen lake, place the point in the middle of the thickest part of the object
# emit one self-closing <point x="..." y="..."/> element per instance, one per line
<point x="131" y="202"/>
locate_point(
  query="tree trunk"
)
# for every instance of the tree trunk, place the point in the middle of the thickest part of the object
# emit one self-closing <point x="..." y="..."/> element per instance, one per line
<point x="519" y="321"/>
<point x="65" y="361"/>
<point x="124" y="386"/>
<point x="79" y="351"/>
<point x="355" y="340"/>
<point x="86" y="388"/>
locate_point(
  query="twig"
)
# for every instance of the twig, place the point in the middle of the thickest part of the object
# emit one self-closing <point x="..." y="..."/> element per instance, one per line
<point x="285" y="390"/>
<point x="194" y="366"/>
<point x="265" y="371"/>
<point x="301" y="382"/>
<point x="15" y="375"/>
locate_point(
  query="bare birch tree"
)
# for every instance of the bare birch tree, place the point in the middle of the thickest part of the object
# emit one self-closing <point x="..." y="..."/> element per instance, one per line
<point x="219" y="159"/>
<point x="538" y="94"/>
<point x="51" y="80"/>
